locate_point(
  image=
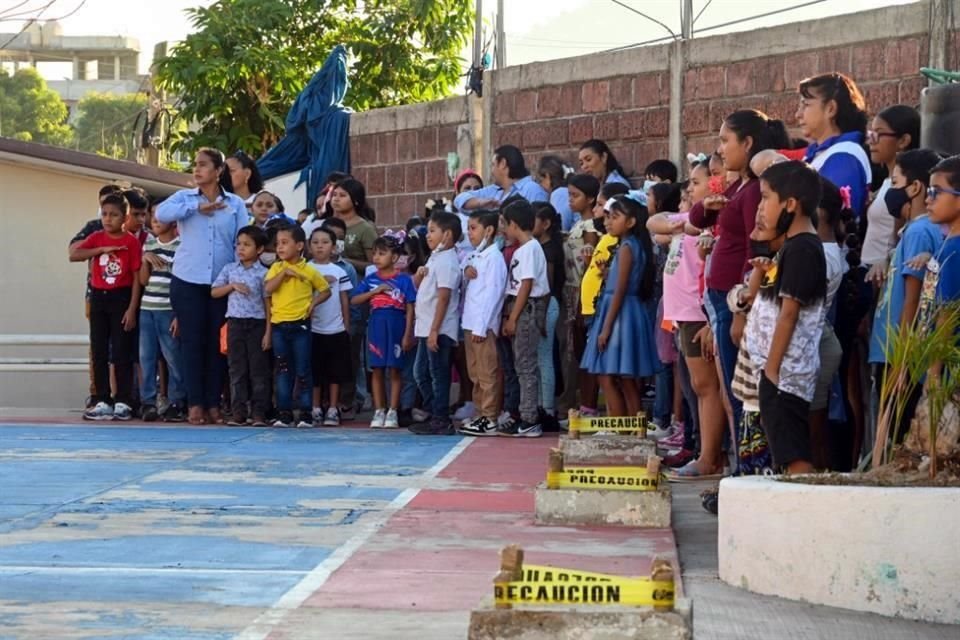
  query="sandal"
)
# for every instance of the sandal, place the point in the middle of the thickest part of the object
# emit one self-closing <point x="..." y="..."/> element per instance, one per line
<point x="690" y="473"/>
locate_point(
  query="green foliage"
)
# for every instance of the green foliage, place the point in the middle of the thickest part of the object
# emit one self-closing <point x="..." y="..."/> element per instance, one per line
<point x="30" y="111"/>
<point x="239" y="73"/>
<point x="105" y="124"/>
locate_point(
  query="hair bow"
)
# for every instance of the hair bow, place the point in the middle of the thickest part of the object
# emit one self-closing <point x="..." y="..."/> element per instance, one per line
<point x="398" y="236"/>
<point x="846" y="198"/>
<point x="697" y="157"/>
<point x="568" y="171"/>
<point x="638" y="196"/>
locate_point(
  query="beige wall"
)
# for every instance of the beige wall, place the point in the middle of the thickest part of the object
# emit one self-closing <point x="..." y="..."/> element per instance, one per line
<point x="41" y="292"/>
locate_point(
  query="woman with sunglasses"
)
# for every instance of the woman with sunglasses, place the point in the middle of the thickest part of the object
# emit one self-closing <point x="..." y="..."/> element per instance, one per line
<point x="241" y="177"/>
<point x="893" y="130"/>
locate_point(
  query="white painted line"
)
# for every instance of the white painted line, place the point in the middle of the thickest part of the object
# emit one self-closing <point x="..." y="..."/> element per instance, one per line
<point x="260" y="628"/>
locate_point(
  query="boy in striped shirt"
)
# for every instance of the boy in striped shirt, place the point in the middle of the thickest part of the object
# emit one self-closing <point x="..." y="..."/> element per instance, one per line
<point x="158" y="326"/>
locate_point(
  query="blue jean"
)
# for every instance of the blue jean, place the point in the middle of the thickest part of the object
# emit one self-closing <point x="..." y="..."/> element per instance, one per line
<point x="548" y="375"/>
<point x="155" y="338"/>
<point x="721" y="321"/>
<point x="511" y="383"/>
<point x="663" y="398"/>
<point x="432" y="372"/>
<point x="200" y="318"/>
<point x="291" y="350"/>
<point x="408" y="392"/>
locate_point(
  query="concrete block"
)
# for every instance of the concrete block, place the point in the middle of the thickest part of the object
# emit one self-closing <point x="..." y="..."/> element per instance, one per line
<point x="648" y="509"/>
<point x="607" y="449"/>
<point x="586" y="623"/>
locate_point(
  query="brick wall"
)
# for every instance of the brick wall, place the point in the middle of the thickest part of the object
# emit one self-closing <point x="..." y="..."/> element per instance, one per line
<point x="631" y="113"/>
<point x="887" y="72"/>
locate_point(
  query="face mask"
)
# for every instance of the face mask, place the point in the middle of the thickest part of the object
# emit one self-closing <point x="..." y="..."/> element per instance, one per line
<point x="895" y="199"/>
<point x="761" y="249"/>
<point x="647" y="184"/>
<point x="784" y="222"/>
<point x="501" y="242"/>
<point x="268" y="258"/>
<point x="341" y="245"/>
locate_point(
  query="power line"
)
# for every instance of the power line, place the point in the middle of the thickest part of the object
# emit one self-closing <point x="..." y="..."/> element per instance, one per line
<point x="27" y="24"/>
<point x="697" y="17"/>
<point x="760" y="15"/>
<point x="641" y="13"/>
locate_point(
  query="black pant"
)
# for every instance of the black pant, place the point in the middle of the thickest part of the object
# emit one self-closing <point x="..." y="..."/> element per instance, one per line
<point x="110" y="343"/>
<point x="200" y="318"/>
<point x="250" y="366"/>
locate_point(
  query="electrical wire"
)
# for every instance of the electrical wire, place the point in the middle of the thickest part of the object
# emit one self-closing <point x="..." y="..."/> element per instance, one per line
<point x="697" y="17"/>
<point x="759" y="15"/>
<point x="641" y="13"/>
<point x="27" y="24"/>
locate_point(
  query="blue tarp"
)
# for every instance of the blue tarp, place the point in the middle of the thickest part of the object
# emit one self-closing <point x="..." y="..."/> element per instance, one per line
<point x="317" y="139"/>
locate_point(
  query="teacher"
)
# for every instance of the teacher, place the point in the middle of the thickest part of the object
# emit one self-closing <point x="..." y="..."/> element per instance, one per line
<point x="208" y="219"/>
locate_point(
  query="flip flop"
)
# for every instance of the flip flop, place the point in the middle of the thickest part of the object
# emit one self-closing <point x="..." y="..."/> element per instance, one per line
<point x="690" y="473"/>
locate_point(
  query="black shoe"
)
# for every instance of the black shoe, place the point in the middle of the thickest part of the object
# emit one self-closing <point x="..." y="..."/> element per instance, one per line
<point x="548" y="422"/>
<point x="479" y="427"/>
<point x="405" y="417"/>
<point x="285" y="419"/>
<point x="436" y="427"/>
<point x="710" y="499"/>
<point x="174" y="414"/>
<point x="519" y="429"/>
<point x="149" y="413"/>
<point x="237" y="419"/>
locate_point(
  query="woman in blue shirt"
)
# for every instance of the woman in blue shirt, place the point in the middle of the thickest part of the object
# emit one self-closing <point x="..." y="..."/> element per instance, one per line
<point x="596" y="158"/>
<point x="208" y="219"/>
<point x="552" y="174"/>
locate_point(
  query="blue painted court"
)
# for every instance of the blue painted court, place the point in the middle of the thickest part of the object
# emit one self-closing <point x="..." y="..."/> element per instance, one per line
<point x="184" y="532"/>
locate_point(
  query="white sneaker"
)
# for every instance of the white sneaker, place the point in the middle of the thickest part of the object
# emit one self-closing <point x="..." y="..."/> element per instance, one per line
<point x="504" y="418"/>
<point x="419" y="415"/>
<point x="333" y="418"/>
<point x="656" y="432"/>
<point x="379" y="419"/>
<point x="465" y="413"/>
<point x="122" y="411"/>
<point x="100" y="412"/>
<point x="317" y="416"/>
<point x="392" y="421"/>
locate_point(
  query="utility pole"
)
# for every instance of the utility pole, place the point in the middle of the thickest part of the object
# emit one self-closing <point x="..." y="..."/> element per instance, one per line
<point x="501" y="60"/>
<point x="478" y="34"/>
<point x="686" y="19"/>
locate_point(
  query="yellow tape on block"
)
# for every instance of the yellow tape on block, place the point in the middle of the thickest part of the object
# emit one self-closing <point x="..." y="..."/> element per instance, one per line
<point x="626" y="424"/>
<point x="636" y="592"/>
<point x="608" y="478"/>
<point x="541" y="573"/>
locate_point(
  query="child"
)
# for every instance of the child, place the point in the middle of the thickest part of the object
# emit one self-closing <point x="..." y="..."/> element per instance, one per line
<point x="528" y="293"/>
<point x="620" y="346"/>
<point x="437" y="325"/>
<point x="265" y="207"/>
<point x="661" y="170"/>
<point x="786" y="320"/>
<point x="248" y="328"/>
<point x="135" y="223"/>
<point x="302" y="216"/>
<point x="157" y="324"/>
<point x="547" y="231"/>
<point x="330" y="326"/>
<point x="114" y="299"/>
<point x="295" y="288"/>
<point x="392" y="296"/>
<point x="486" y="280"/>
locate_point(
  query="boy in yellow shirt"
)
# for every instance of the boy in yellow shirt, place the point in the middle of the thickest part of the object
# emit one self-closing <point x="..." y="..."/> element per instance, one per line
<point x="295" y="288"/>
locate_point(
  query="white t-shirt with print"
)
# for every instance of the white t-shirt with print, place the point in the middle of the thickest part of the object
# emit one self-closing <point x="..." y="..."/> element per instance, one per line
<point x="443" y="272"/>
<point x="327" y="318"/>
<point x="528" y="262"/>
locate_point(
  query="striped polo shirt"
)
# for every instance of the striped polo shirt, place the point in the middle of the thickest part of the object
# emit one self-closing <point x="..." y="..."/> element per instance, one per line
<point x="156" y="295"/>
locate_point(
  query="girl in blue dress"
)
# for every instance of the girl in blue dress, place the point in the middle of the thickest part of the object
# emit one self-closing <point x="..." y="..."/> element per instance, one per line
<point x="620" y="346"/>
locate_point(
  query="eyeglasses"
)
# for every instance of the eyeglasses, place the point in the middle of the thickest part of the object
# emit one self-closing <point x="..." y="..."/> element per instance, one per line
<point x="873" y="137"/>
<point x="933" y="192"/>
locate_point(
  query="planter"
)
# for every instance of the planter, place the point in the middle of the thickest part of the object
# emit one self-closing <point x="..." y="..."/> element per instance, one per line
<point x="885" y="550"/>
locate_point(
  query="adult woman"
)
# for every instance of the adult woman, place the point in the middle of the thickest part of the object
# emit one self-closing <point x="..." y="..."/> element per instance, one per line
<point x="893" y="130"/>
<point x="833" y="114"/>
<point x="742" y="135"/>
<point x="552" y="174"/>
<point x="597" y="159"/>
<point x="466" y="180"/>
<point x="349" y="203"/>
<point x="321" y="207"/>
<point x="208" y="219"/>
<point x="241" y="177"/>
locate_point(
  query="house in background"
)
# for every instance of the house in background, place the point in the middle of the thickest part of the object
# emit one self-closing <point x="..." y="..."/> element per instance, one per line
<point x="46" y="195"/>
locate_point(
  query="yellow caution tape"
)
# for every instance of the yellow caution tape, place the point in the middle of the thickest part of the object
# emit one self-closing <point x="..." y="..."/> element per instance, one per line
<point x="608" y="478"/>
<point x="540" y="573"/>
<point x="626" y="424"/>
<point x="637" y="592"/>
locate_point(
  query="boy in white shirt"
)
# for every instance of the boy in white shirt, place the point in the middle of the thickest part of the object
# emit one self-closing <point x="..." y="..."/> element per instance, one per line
<point x="437" y="325"/>
<point x="330" y="329"/>
<point x="485" y="274"/>
<point x="528" y="293"/>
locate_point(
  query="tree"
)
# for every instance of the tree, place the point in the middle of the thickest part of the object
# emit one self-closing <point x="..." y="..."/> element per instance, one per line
<point x="31" y="111"/>
<point x="238" y="75"/>
<point x="105" y="124"/>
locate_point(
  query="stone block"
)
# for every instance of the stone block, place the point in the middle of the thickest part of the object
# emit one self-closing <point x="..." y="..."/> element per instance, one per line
<point x="606" y="127"/>
<point x="387" y="148"/>
<point x="648" y="90"/>
<point x="548" y="102"/>
<point x="407" y="145"/>
<point x="696" y="118"/>
<point x="798" y="67"/>
<point x="647" y="509"/>
<point x="504" y="108"/>
<point x="657" y="123"/>
<point x="607" y="449"/>
<point x="704" y="83"/>
<point x="376" y="179"/>
<point x="621" y="93"/>
<point x="437" y="175"/>
<point x="568" y="623"/>
<point x="413" y="178"/>
<point x="839" y="60"/>
<point x="868" y="62"/>
<point x="902" y="58"/>
<point x="427" y="143"/>
<point x="526" y="106"/>
<point x="596" y="96"/>
<point x="581" y="130"/>
<point x="447" y="141"/>
<point x="395" y="179"/>
<point x="740" y="78"/>
<point x="571" y="99"/>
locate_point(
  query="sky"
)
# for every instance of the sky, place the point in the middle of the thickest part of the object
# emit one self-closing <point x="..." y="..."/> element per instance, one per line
<point x="536" y="29"/>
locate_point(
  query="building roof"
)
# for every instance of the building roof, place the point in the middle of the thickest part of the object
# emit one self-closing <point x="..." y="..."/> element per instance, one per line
<point x="156" y="181"/>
